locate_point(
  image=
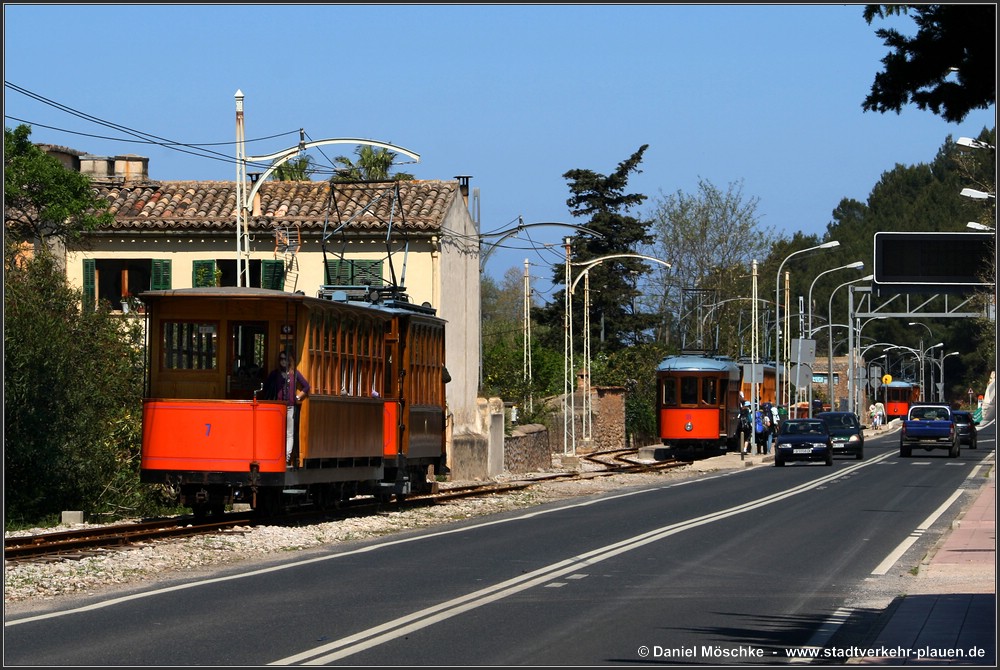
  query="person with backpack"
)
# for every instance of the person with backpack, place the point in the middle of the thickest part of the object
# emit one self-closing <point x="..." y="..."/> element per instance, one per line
<point x="762" y="425"/>
<point x="772" y="429"/>
<point x="746" y="428"/>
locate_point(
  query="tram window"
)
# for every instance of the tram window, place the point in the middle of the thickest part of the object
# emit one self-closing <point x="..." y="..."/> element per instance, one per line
<point x="689" y="391"/>
<point x="708" y="395"/>
<point x="669" y="391"/>
<point x="190" y="345"/>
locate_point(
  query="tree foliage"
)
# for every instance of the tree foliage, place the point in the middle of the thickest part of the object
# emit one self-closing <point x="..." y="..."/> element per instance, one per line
<point x="72" y="378"/>
<point x="43" y="201"/>
<point x="372" y="164"/>
<point x="296" y="169"/>
<point x="72" y="398"/>
<point x="914" y="198"/>
<point x="505" y="373"/>
<point x="603" y="201"/>
<point x="957" y="40"/>
<point x="710" y="238"/>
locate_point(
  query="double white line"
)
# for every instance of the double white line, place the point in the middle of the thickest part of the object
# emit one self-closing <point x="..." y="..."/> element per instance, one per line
<point x="410" y="623"/>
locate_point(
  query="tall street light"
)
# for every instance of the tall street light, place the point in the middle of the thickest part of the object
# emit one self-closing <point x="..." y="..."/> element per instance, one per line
<point x="777" y="310"/>
<point x="917" y="323"/>
<point x="920" y="355"/>
<point x="860" y="327"/>
<point x="829" y="337"/>
<point x="974" y="225"/>
<point x="940" y="365"/>
<point x="856" y="265"/>
<point x="923" y="362"/>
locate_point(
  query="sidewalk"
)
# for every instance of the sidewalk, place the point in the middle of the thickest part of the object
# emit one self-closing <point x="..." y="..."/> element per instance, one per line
<point x="950" y="613"/>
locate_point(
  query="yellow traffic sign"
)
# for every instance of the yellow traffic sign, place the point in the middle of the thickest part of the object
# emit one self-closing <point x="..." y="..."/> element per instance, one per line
<point x="886" y="379"/>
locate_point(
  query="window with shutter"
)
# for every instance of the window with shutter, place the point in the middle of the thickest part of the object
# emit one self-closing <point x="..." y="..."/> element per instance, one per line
<point x="160" y="275"/>
<point x="348" y="272"/>
<point x="89" y="283"/>
<point x="273" y="275"/>
<point x="203" y="273"/>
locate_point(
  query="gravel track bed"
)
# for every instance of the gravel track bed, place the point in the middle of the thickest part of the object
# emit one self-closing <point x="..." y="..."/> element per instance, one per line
<point x="34" y="581"/>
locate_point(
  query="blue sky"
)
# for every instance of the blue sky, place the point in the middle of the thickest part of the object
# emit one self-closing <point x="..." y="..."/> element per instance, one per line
<point x="513" y="95"/>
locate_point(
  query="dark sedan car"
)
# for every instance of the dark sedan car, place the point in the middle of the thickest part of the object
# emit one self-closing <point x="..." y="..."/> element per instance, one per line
<point x="965" y="424"/>
<point x="803" y="440"/>
<point x="847" y="432"/>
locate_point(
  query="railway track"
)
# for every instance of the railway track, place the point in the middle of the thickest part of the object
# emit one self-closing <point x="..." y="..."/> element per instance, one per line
<point x="78" y="544"/>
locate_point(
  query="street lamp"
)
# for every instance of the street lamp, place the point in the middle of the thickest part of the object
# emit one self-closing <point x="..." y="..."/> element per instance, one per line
<point x="977" y="195"/>
<point x="829" y="317"/>
<point x="868" y="374"/>
<point x="923" y="362"/>
<point x="940" y="365"/>
<point x="978" y="226"/>
<point x="860" y="328"/>
<point x="917" y="323"/>
<point x="966" y="143"/>
<point x="856" y="265"/>
<point x="777" y="309"/>
<point x="921" y="356"/>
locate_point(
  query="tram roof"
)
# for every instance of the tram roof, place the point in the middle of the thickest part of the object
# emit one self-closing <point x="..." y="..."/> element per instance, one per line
<point x="697" y="364"/>
<point x="247" y="292"/>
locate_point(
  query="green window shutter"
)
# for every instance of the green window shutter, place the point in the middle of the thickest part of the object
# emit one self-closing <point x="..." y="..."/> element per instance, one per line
<point x="160" y="275"/>
<point x="354" y="273"/>
<point x="272" y="274"/>
<point x="203" y="273"/>
<point x="89" y="283"/>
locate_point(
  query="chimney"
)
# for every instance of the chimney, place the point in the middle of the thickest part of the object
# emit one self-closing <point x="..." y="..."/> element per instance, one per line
<point x="463" y="186"/>
<point x="131" y="168"/>
<point x="96" y="167"/>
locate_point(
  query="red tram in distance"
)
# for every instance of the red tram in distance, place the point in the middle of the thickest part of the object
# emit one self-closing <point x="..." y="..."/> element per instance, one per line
<point x="698" y="402"/>
<point x="897" y="396"/>
<point x="373" y="422"/>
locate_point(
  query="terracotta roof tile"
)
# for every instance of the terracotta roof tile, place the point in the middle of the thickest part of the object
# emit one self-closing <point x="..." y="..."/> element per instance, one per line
<point x="210" y="205"/>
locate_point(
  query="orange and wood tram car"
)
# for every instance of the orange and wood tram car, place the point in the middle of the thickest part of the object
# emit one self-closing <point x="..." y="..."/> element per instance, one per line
<point x="373" y="422"/>
<point x="698" y="402"/>
<point x="897" y="396"/>
<point x="767" y="390"/>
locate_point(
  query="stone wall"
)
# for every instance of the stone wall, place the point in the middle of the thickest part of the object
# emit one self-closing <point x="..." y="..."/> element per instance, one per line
<point x="527" y="449"/>
<point x="609" y="417"/>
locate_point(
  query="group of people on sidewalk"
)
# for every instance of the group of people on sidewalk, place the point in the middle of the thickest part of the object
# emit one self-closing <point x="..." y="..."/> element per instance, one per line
<point x="758" y="428"/>
<point x="876" y="415"/>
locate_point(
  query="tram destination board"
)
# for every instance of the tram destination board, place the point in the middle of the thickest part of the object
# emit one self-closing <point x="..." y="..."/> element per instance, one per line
<point x="934" y="262"/>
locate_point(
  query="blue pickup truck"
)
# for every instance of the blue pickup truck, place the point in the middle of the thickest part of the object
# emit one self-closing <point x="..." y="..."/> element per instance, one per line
<point x="929" y="426"/>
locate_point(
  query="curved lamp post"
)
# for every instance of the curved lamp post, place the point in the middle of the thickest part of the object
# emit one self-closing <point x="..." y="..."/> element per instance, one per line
<point x="569" y="425"/>
<point x="940" y="365"/>
<point x="829" y="337"/>
<point x="921" y="356"/>
<point x="856" y="265"/>
<point x="777" y="309"/>
<point x="931" y="334"/>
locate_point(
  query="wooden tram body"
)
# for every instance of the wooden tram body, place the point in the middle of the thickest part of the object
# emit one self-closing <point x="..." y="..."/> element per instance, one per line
<point x="897" y="396"/>
<point x="698" y="402"/>
<point x="373" y="422"/>
<point x="767" y="390"/>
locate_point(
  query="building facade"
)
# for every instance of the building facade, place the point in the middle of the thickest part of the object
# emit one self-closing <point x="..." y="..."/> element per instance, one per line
<point x="411" y="240"/>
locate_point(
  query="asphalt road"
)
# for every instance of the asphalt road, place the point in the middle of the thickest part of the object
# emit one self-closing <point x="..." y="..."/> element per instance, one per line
<point x="734" y="568"/>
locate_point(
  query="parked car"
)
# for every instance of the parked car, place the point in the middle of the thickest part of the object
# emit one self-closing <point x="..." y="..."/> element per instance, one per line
<point x="847" y="432"/>
<point x="803" y="440"/>
<point x="966" y="426"/>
